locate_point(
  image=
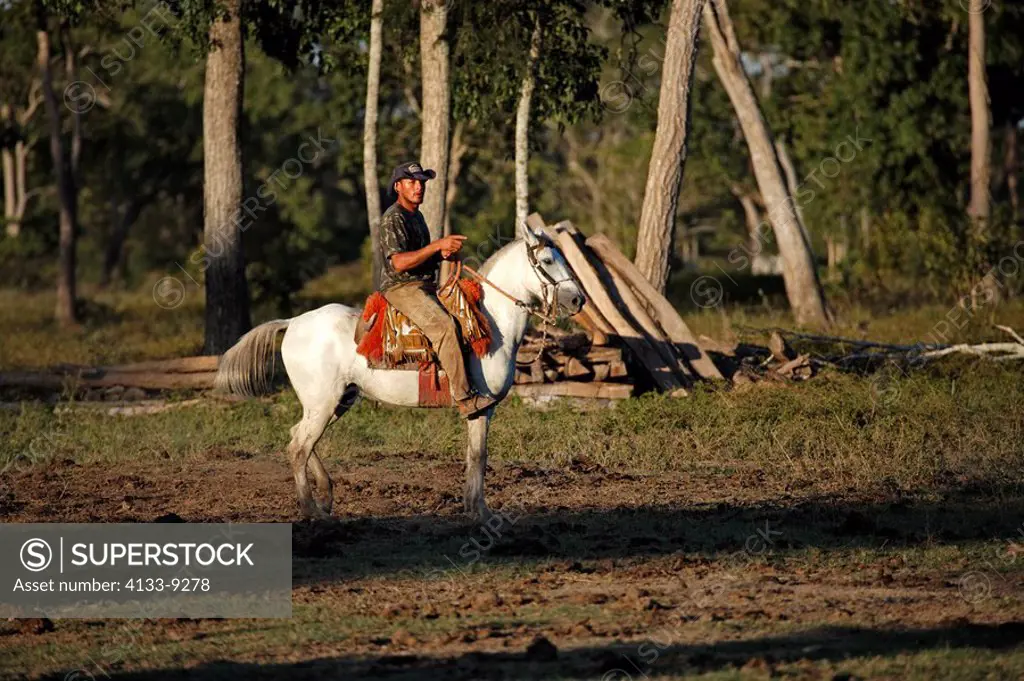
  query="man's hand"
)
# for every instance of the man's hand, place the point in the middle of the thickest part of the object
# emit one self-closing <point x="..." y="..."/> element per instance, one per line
<point x="446" y="246"/>
<point x="450" y="245"/>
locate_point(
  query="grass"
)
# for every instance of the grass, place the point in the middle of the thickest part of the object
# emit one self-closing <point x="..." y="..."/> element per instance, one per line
<point x="952" y="422"/>
<point x="912" y="431"/>
<point x="939" y="438"/>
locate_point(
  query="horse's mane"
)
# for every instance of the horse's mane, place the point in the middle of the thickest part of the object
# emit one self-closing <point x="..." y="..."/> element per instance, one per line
<point x="489" y="264"/>
<point x="504" y="251"/>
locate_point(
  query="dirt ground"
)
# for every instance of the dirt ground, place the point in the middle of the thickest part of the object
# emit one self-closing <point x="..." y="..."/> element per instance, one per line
<point x="591" y="573"/>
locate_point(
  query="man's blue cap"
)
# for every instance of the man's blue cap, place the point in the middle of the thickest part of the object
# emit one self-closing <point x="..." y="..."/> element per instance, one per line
<point x="410" y="171"/>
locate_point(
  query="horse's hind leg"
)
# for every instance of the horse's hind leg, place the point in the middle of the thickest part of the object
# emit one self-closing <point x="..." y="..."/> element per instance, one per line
<point x="305" y="435"/>
<point x="476" y="466"/>
<point x="324" y="484"/>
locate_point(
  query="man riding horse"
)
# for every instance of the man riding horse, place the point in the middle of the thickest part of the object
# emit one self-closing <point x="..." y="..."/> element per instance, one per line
<point x="409" y="280"/>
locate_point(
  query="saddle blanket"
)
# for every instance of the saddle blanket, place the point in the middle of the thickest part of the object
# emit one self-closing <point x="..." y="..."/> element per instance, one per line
<point x="389" y="340"/>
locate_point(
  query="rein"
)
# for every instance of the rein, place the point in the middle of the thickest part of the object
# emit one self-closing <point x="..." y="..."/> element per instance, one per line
<point x="549" y="286"/>
<point x="544" y="316"/>
<point x="547" y="316"/>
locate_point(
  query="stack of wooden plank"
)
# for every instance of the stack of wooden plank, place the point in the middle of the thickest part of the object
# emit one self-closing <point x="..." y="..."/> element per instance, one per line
<point x="623" y="312"/>
<point x="556" y="363"/>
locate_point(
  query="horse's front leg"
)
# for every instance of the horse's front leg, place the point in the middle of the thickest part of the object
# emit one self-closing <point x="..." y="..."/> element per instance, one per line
<point x="476" y="466"/>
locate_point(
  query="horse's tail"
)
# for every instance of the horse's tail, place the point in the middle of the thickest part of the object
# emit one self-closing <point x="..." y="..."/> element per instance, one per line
<point x="247" y="368"/>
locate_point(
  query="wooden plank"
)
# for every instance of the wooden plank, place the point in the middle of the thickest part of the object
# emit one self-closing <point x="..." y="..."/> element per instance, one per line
<point x="178" y="365"/>
<point x="535" y="222"/>
<point x="597" y="390"/>
<point x="608" y="354"/>
<point x="617" y="370"/>
<point x="103" y="379"/>
<point x="589" y="317"/>
<point x="662" y="311"/>
<point x="665" y="347"/>
<point x="597" y="335"/>
<point x="662" y="373"/>
<point x="596" y="319"/>
<point x="576" y="369"/>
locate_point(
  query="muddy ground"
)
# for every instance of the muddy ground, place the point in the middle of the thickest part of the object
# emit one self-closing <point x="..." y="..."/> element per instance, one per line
<point x="592" y="573"/>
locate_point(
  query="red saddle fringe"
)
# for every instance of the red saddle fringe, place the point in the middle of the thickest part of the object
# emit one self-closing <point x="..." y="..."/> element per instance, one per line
<point x="372" y="345"/>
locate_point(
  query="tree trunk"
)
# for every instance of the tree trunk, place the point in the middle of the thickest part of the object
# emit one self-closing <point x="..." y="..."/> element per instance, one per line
<point x="752" y="218"/>
<point x="15" y="165"/>
<point x="71" y="73"/>
<point x="65" y="312"/>
<point x="979" y="208"/>
<point x="790" y="171"/>
<point x="20" y="185"/>
<point x="802" y="284"/>
<point x="523" y="132"/>
<point x="767" y="74"/>
<point x="1011" y="167"/>
<point x="665" y="172"/>
<point x="11" y="226"/>
<point x="865" y="231"/>
<point x="436" y="103"/>
<point x="227" y="295"/>
<point x="370" y="181"/>
<point x="459" y="149"/>
<point x="588" y="180"/>
<point x="115" y="242"/>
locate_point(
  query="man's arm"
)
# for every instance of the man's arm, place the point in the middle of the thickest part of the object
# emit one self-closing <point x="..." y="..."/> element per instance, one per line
<point x="446" y="246"/>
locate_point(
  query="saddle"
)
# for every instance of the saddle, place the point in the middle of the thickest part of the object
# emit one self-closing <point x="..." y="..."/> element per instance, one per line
<point x="389" y="340"/>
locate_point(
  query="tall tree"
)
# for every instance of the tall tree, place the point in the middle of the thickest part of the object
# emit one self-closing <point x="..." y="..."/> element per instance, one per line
<point x="14" y="153"/>
<point x="523" y="129"/>
<point x="370" y="137"/>
<point x="227" y="294"/>
<point x="20" y="98"/>
<point x="67" y="194"/>
<point x="981" y="118"/>
<point x="436" y="106"/>
<point x="803" y="287"/>
<point x="71" y="74"/>
<point x="665" y="171"/>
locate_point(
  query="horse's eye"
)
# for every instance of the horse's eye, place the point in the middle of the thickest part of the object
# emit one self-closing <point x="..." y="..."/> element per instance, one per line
<point x="548" y="261"/>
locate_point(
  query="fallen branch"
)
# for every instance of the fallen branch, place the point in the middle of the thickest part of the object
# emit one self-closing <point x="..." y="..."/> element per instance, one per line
<point x="986" y="350"/>
<point x="593" y="389"/>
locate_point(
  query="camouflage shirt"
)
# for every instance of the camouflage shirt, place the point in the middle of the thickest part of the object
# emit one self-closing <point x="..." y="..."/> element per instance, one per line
<point x="402" y="231"/>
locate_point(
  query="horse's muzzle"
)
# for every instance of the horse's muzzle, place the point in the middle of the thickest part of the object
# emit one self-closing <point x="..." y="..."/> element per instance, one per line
<point x="570" y="300"/>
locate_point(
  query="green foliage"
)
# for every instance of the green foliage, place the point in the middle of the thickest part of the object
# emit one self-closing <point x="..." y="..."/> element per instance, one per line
<point x="893" y="76"/>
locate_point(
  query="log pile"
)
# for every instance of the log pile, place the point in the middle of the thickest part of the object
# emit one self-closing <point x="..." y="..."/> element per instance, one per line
<point x="183" y="373"/>
<point x="624" y="315"/>
<point x="556" y="363"/>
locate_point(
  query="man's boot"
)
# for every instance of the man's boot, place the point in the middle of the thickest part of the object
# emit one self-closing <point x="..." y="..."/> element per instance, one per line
<point x="473" y="405"/>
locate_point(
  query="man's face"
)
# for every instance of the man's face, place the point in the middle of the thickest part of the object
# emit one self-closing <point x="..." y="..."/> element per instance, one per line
<point x="411" y="191"/>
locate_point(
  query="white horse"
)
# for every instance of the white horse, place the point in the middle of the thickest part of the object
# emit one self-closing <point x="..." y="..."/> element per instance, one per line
<point x="319" y="352"/>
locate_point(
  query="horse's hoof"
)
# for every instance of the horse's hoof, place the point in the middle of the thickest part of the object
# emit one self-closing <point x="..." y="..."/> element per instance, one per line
<point x="482" y="514"/>
<point x="310" y="510"/>
<point x="323" y="509"/>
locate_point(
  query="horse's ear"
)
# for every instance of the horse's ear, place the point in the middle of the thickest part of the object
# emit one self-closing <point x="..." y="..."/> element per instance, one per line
<point x="532" y="238"/>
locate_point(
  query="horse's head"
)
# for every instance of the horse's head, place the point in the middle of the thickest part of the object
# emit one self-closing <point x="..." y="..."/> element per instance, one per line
<point x="552" y="282"/>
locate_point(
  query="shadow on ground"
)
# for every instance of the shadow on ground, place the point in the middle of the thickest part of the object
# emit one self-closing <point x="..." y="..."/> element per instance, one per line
<point x="618" y="662"/>
<point x="417" y="545"/>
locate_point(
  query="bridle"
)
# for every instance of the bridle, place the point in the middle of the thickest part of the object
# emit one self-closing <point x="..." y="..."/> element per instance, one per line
<point x="548" y="284"/>
<point x="547" y="311"/>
